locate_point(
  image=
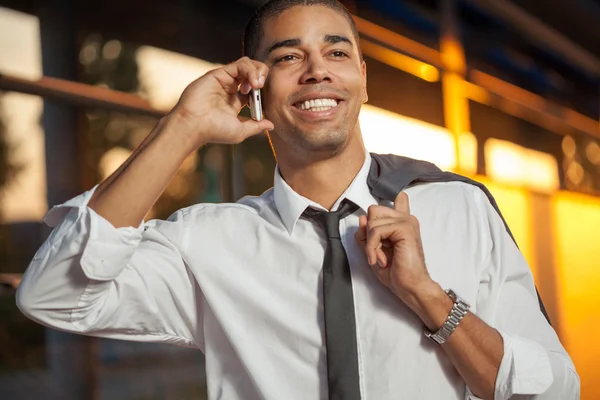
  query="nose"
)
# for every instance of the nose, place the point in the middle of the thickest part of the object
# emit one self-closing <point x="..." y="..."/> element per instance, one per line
<point x="316" y="71"/>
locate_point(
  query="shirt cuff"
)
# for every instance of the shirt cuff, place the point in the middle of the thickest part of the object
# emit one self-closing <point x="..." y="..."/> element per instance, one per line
<point x="108" y="249"/>
<point x="58" y="213"/>
<point x="525" y="368"/>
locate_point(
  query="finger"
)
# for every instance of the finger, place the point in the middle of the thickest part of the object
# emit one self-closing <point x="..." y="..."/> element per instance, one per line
<point x="361" y="233"/>
<point x="245" y="88"/>
<point x="241" y="71"/>
<point x="255" y="72"/>
<point x="263" y="73"/>
<point x="382" y="259"/>
<point x="373" y="222"/>
<point x="404" y="220"/>
<point x="376" y="212"/>
<point x="401" y="203"/>
<point x="375" y="237"/>
<point x="251" y="127"/>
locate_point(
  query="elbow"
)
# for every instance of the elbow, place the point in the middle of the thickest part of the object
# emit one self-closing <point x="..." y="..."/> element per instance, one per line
<point x="25" y="301"/>
<point x="565" y="384"/>
<point x="571" y="384"/>
<point x="28" y="299"/>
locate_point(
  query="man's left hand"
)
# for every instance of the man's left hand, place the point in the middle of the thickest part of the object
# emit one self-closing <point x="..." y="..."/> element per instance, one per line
<point x="391" y="239"/>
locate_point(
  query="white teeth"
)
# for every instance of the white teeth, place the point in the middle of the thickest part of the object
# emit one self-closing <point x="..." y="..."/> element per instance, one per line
<point x="318" y="104"/>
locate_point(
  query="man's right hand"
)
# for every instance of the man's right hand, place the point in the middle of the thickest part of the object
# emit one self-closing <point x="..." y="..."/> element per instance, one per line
<point x="207" y="111"/>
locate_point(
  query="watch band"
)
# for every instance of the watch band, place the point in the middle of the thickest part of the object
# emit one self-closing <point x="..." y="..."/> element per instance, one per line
<point x="460" y="308"/>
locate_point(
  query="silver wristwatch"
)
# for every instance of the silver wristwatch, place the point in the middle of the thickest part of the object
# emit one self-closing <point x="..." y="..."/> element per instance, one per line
<point x="458" y="312"/>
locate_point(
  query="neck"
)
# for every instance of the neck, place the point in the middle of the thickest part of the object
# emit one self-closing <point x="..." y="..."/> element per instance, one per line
<point x="324" y="180"/>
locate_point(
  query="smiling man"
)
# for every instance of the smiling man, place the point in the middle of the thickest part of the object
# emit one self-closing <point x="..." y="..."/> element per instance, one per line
<point x="321" y="287"/>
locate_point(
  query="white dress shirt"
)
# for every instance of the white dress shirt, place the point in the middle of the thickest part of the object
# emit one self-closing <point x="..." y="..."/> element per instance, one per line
<point x="242" y="282"/>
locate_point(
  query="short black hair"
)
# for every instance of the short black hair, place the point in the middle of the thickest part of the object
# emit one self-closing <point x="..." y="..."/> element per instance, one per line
<point x="254" y="28"/>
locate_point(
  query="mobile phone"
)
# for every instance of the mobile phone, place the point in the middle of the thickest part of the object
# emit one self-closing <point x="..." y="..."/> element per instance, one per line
<point x="255" y="104"/>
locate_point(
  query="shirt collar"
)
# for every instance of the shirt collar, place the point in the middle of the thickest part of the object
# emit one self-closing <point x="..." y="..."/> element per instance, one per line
<point x="291" y="205"/>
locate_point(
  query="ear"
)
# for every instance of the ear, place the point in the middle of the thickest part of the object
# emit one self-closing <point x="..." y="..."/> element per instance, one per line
<point x="365" y="95"/>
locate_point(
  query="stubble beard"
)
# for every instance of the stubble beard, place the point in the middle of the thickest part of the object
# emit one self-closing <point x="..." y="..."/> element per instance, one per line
<point x="323" y="143"/>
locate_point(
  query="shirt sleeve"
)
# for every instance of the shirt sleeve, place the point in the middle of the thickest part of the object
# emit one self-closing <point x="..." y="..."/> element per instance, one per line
<point x="122" y="283"/>
<point x="535" y="365"/>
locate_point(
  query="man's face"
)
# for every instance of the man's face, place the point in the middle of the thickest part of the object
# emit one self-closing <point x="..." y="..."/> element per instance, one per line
<point x="317" y="80"/>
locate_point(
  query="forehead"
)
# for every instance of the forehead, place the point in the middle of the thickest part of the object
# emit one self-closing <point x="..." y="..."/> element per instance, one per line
<point x="305" y="23"/>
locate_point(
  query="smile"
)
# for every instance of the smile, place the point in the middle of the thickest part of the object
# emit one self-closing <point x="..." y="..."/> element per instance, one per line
<point x="317" y="105"/>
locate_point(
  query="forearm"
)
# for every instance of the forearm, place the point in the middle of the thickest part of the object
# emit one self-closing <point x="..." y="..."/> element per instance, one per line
<point x="126" y="196"/>
<point x="475" y="349"/>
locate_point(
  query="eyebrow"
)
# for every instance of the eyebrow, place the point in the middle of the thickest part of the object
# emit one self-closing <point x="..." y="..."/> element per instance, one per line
<point x="284" y="43"/>
<point x="331" y="39"/>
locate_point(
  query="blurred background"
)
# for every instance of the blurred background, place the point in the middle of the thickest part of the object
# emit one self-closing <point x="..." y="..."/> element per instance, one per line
<point x="504" y="91"/>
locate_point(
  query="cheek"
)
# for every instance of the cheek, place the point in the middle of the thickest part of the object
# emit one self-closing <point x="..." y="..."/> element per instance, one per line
<point x="274" y="97"/>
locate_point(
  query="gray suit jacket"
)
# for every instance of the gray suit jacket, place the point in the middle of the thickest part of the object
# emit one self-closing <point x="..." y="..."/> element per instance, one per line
<point x="390" y="174"/>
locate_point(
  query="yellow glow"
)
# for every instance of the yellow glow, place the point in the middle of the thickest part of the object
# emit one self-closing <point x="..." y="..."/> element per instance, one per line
<point x="569" y="147"/>
<point x="456" y="115"/>
<point x="576" y="220"/>
<point x="516" y="165"/>
<point x="390" y="133"/>
<point x="429" y="73"/>
<point x="515" y="205"/>
<point x="592" y="152"/>
<point x="476" y="93"/>
<point x="452" y="55"/>
<point x="397" y="60"/>
<point x="468" y="153"/>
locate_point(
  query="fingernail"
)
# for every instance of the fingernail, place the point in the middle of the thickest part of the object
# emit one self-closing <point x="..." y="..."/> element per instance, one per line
<point x="380" y="264"/>
<point x="261" y="80"/>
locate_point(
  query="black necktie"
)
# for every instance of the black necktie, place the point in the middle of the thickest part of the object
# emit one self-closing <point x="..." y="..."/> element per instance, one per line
<point x="340" y="325"/>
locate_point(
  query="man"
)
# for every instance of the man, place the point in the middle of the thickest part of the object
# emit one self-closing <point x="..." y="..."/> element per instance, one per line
<point x="251" y="283"/>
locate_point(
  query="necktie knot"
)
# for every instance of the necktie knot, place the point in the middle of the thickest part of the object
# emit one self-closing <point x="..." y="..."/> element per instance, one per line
<point x="330" y="220"/>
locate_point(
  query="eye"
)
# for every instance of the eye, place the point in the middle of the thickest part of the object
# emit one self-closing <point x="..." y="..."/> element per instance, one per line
<point x="289" y="57"/>
<point x="339" y="54"/>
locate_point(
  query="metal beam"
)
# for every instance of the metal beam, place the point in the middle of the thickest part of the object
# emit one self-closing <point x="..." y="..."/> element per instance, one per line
<point x="79" y="94"/>
<point x="552" y="115"/>
<point x="398" y="42"/>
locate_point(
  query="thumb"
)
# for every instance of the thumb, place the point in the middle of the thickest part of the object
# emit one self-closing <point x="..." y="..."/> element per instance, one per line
<point x="251" y="127"/>
<point x="401" y="203"/>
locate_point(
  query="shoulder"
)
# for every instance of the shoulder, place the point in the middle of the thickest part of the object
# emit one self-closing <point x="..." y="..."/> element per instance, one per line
<point x="246" y="207"/>
<point x="458" y="204"/>
<point x="448" y="195"/>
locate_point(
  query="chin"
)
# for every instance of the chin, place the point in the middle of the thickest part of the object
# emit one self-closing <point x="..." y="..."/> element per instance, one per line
<point x="323" y="142"/>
